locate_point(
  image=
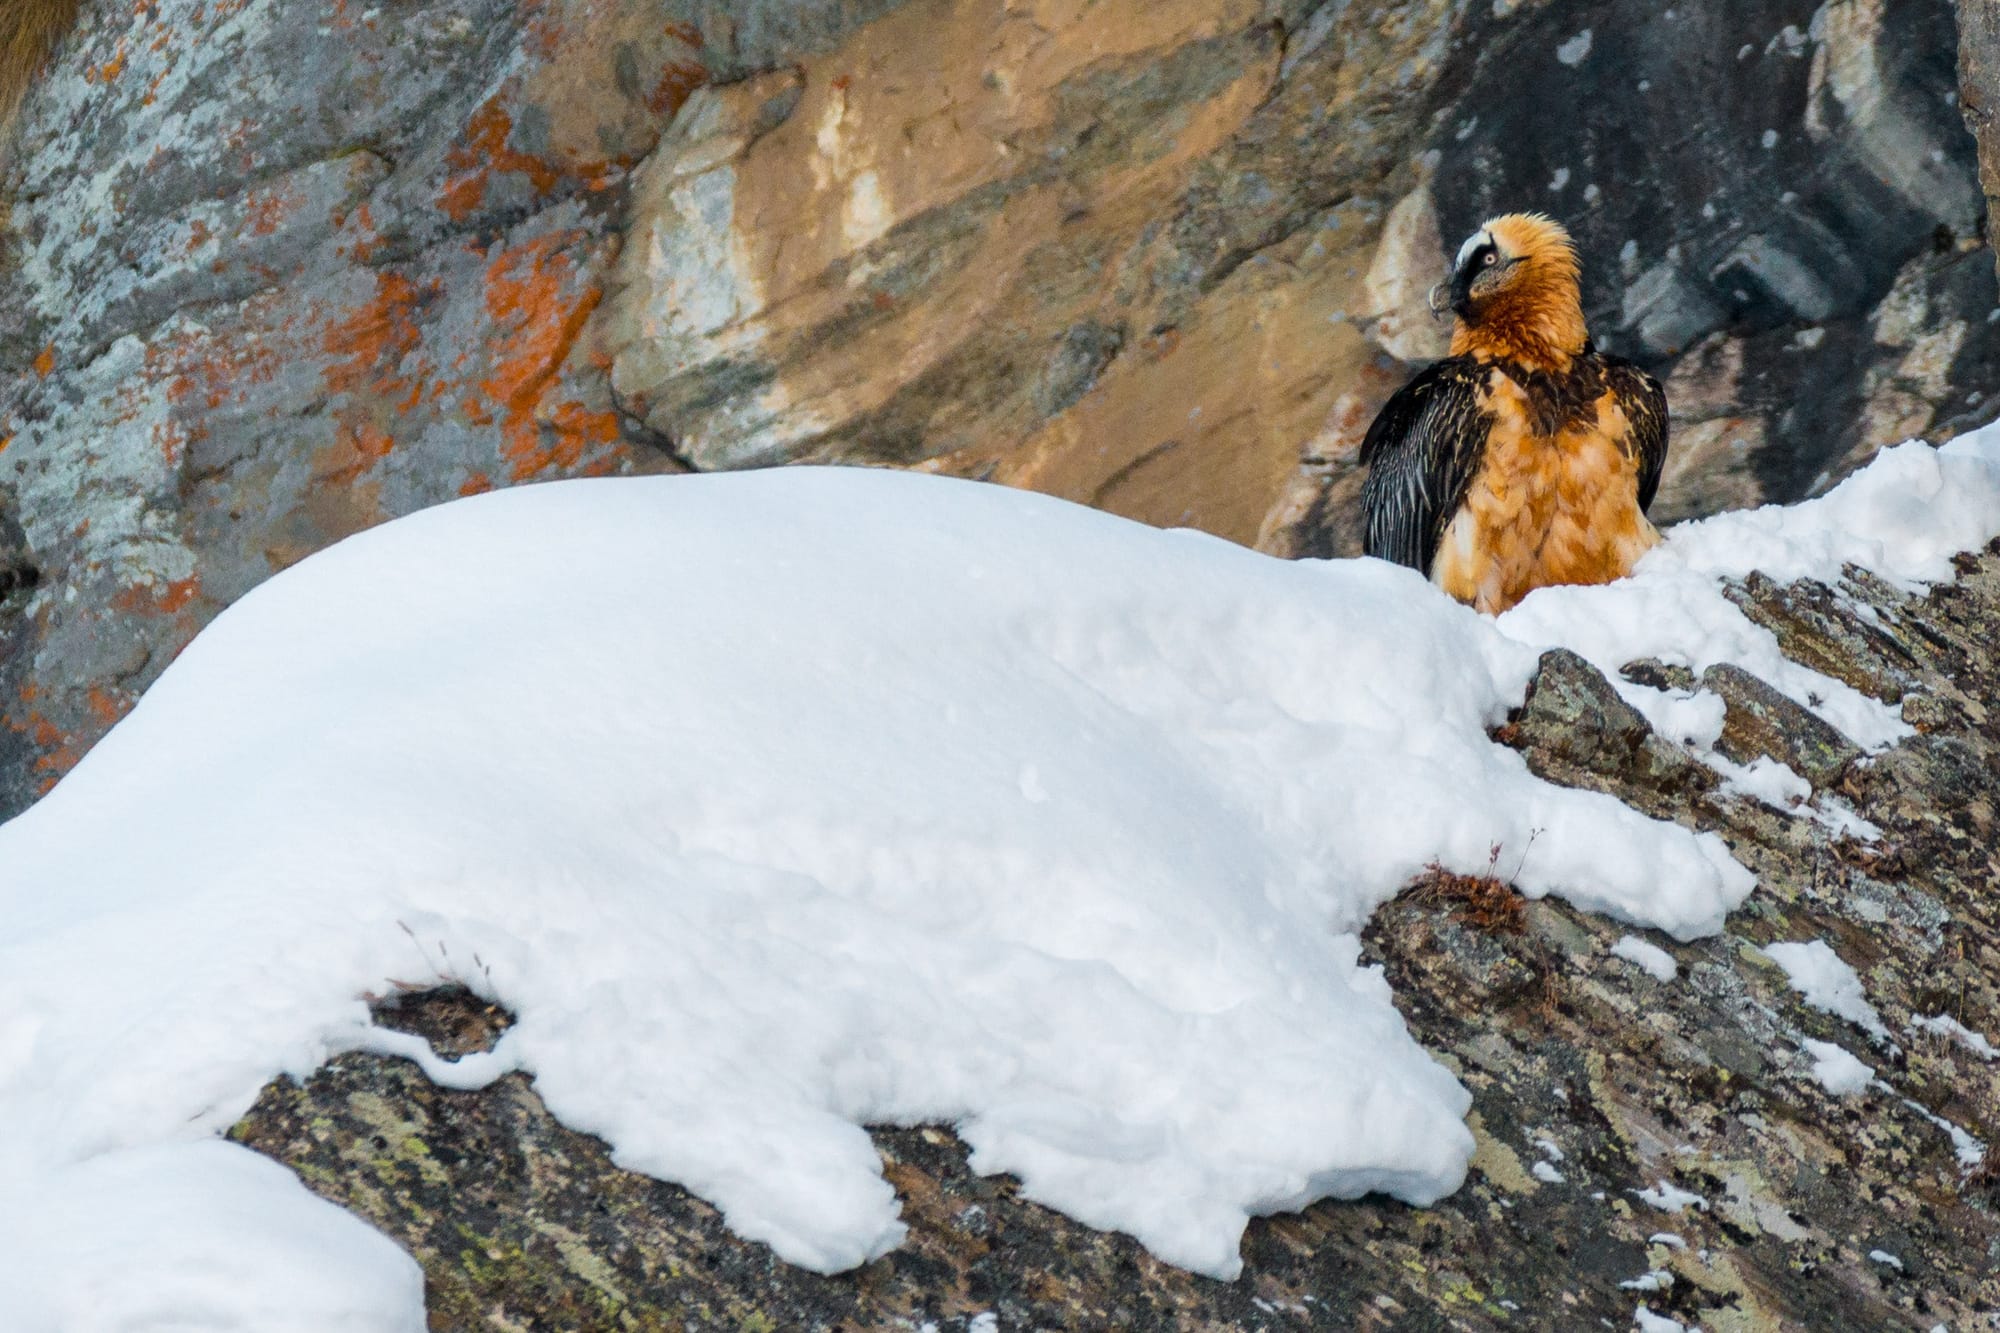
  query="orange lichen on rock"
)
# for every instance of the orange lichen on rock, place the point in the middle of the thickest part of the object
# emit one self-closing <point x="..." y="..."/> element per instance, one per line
<point x="571" y="430"/>
<point x="105" y="706"/>
<point x="167" y="598"/>
<point x="266" y="209"/>
<point x="375" y="364"/>
<point x="201" y="373"/>
<point x="178" y="593"/>
<point x="537" y="319"/>
<point x="60" y="747"/>
<point x="367" y="237"/>
<point x="483" y="152"/>
<point x="110" y="69"/>
<point x="541" y="34"/>
<point x="46" y="362"/>
<point x="370" y="346"/>
<point x="62" y="728"/>
<point x="677" y="82"/>
<point x="60" y="750"/>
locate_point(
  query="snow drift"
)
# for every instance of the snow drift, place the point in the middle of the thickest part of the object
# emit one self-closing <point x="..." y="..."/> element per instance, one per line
<point x="780" y="804"/>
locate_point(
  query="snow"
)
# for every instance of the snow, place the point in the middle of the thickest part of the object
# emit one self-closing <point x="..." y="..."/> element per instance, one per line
<point x="1969" y="1150"/>
<point x="1669" y="1198"/>
<point x="1944" y="1025"/>
<point x="1886" y="1259"/>
<point x="185" y="1236"/>
<point x="1838" y="818"/>
<point x="1902" y="517"/>
<point x="1648" y="958"/>
<point x="1656" y="1280"/>
<point x="1648" y="1322"/>
<point x="1782" y="788"/>
<point x="1765" y="779"/>
<point x="779" y="804"/>
<point x="1667" y="1238"/>
<point x="1836" y="1069"/>
<point x="1546" y="1173"/>
<point x="1828" y="984"/>
<point x="736" y="822"/>
<point x="467" y="1074"/>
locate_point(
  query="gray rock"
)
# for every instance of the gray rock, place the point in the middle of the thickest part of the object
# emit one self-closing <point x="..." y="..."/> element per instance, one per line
<point x="1760" y="721"/>
<point x="1573" y="724"/>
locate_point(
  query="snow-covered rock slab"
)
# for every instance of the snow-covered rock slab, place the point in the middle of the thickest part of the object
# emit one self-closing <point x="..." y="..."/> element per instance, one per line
<point x="780" y="804"/>
<point x="1902" y="517"/>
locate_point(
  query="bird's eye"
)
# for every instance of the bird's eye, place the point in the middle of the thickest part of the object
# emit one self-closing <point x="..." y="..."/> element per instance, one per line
<point x="1491" y="259"/>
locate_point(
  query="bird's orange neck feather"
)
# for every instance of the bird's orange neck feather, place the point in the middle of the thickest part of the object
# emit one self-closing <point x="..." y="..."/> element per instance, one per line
<point x="1540" y="326"/>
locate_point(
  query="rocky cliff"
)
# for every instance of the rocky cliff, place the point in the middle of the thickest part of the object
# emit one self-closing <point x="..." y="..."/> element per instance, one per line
<point x="278" y="271"/>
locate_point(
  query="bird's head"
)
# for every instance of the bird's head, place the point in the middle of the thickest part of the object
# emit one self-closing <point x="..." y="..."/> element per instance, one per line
<point x="1516" y="285"/>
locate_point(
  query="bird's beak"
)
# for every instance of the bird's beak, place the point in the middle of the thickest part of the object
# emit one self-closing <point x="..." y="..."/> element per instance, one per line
<point x="1441" y="300"/>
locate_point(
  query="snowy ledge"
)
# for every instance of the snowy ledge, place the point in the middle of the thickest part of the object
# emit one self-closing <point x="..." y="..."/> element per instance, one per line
<point x="814" y="799"/>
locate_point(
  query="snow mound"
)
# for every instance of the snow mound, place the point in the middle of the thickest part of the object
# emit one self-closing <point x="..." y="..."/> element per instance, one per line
<point x="189" y="1236"/>
<point x="1836" y="1068"/>
<point x="1648" y="958"/>
<point x="780" y="804"/>
<point x="776" y="805"/>
<point x="1827" y="983"/>
<point x="1944" y="1025"/>
<point x="1669" y="1198"/>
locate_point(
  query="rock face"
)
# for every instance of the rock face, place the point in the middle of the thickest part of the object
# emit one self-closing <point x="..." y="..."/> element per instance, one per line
<point x="1180" y="287"/>
<point x="1593" y="1083"/>
<point x="1774" y="200"/>
<point x="276" y="272"/>
<point x="1979" y="86"/>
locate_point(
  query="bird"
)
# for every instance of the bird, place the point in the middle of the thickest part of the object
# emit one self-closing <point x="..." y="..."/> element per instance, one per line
<point x="1525" y="457"/>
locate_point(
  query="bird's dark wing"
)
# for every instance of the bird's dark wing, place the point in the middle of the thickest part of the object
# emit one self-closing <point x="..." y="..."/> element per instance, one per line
<point x="1645" y="406"/>
<point x="1421" y="454"/>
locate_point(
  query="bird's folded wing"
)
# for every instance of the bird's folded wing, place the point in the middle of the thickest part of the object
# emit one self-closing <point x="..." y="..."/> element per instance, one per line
<point x="1644" y="403"/>
<point x="1421" y="455"/>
